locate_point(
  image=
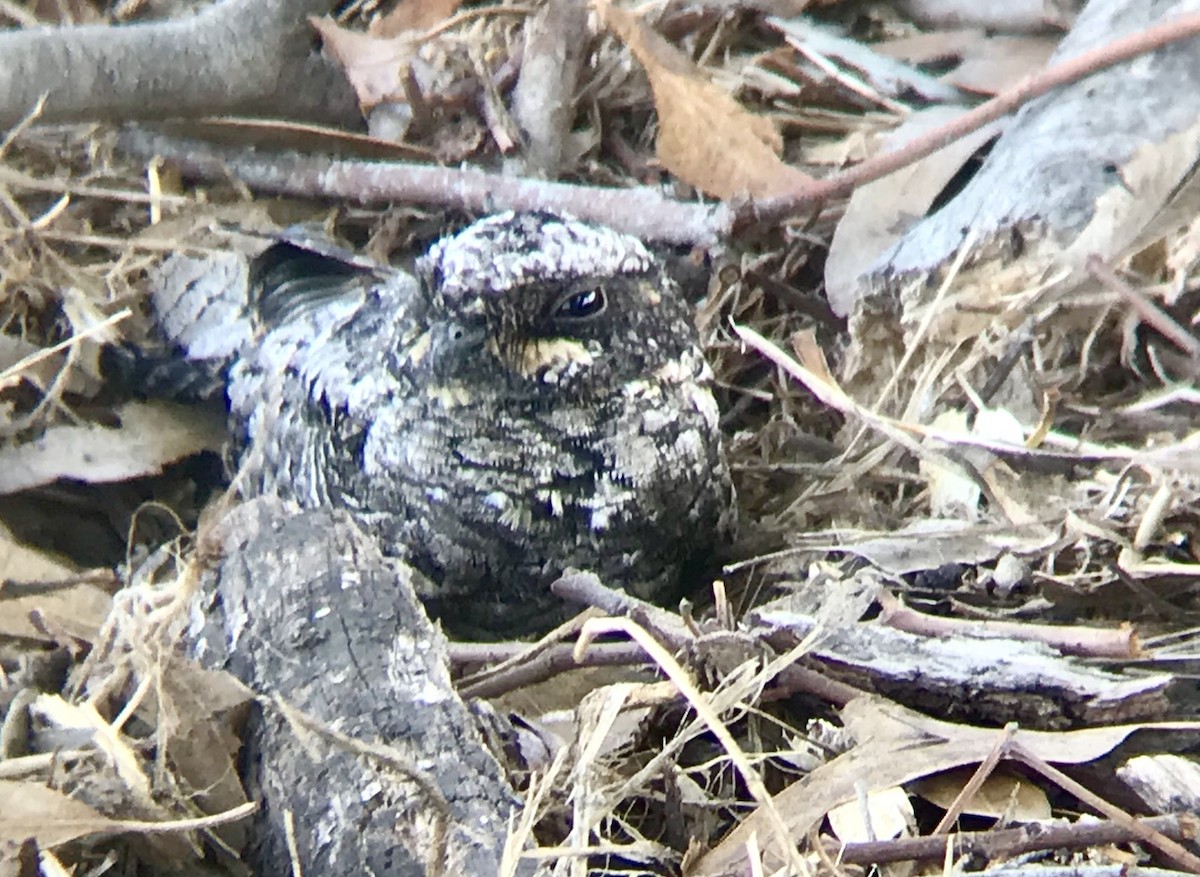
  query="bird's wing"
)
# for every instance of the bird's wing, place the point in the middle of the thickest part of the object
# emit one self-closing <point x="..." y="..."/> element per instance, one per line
<point x="309" y="387"/>
<point x="325" y="328"/>
<point x="213" y="308"/>
<point x="202" y="304"/>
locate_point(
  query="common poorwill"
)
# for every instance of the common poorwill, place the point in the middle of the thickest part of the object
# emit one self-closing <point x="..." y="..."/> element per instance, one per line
<point x="534" y="399"/>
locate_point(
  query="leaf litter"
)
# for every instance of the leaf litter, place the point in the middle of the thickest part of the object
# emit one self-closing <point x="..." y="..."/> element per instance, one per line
<point x="1066" y="497"/>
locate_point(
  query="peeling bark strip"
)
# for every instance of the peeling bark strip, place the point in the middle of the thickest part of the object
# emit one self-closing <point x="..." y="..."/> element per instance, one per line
<point x="306" y="610"/>
<point x="252" y="57"/>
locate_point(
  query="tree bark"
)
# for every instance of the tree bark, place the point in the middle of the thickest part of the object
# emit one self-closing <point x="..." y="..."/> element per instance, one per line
<point x="245" y="57"/>
<point x="361" y="738"/>
<point x="1100" y="167"/>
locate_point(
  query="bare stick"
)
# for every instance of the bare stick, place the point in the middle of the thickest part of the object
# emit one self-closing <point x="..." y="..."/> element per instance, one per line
<point x="1071" y="639"/>
<point x="641" y="211"/>
<point x="542" y="666"/>
<point x="1147" y="310"/>
<point x="1003" y="844"/>
<point x="669" y="629"/>
<point x="1175" y="852"/>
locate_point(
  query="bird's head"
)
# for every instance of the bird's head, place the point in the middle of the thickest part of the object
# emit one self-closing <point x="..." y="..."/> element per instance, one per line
<point x="547" y="305"/>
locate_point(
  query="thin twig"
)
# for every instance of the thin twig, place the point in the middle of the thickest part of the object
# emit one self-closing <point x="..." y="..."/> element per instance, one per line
<point x="670" y="630"/>
<point x="1071" y="639"/>
<point x="1007" y="843"/>
<point x="1150" y="313"/>
<point x="540" y="667"/>
<point x="704" y="710"/>
<point x="975" y="783"/>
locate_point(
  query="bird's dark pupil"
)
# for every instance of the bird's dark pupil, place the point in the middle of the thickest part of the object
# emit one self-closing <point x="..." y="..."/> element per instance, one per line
<point x="584" y="303"/>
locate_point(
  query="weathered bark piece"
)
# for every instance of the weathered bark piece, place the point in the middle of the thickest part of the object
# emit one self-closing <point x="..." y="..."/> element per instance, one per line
<point x="1164" y="782"/>
<point x="1103" y="167"/>
<point x="249" y="57"/>
<point x="304" y="608"/>
<point x="991" y="680"/>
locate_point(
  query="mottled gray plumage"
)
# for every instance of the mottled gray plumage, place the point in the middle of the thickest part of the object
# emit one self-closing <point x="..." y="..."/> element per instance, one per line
<point x="536" y="398"/>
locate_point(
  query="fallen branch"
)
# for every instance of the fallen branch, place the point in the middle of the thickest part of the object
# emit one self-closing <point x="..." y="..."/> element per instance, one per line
<point x="248" y="57"/>
<point x="641" y="211"/>
<point x="670" y="630"/>
<point x="538" y="668"/>
<point x="1171" y="849"/>
<point x="1006" y="843"/>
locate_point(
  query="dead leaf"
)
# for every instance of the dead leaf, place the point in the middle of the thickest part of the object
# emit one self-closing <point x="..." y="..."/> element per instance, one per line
<point x="871" y="74"/>
<point x="150" y="436"/>
<point x="376" y="67"/>
<point x="1153" y="191"/>
<point x="196" y="724"/>
<point x="1003" y="794"/>
<point x="982" y="62"/>
<point x="1001" y="61"/>
<point x="20" y="563"/>
<point x="930" y="48"/>
<point x="895" y="746"/>
<point x="280" y="135"/>
<point x="53" y="818"/>
<point x="54" y="711"/>
<point x="76" y="611"/>
<point x="889" y="811"/>
<point x="42" y="369"/>
<point x="951" y="494"/>
<point x="419" y="15"/>
<point x="704" y="136"/>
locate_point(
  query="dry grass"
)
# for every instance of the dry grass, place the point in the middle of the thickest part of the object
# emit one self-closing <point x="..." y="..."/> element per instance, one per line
<point x="822" y="461"/>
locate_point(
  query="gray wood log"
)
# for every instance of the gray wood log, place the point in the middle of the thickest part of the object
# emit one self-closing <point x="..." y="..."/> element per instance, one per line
<point x="249" y="57"/>
<point x="1102" y="166"/>
<point x="302" y="607"/>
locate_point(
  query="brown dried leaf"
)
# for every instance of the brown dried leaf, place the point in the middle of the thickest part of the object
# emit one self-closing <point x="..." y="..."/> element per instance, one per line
<point x="1003" y="794"/>
<point x="375" y="66"/>
<point x="1001" y="62"/>
<point x="55" y="712"/>
<point x="896" y="746"/>
<point x="22" y="563"/>
<point x="77" y="611"/>
<point x="885" y="814"/>
<point x="41" y="369"/>
<point x="200" y="709"/>
<point x="704" y="136"/>
<point x="982" y="62"/>
<point x="33" y="810"/>
<point x="414" y="15"/>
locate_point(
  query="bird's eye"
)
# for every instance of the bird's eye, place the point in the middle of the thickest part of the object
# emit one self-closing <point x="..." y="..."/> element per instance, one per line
<point x="582" y="304"/>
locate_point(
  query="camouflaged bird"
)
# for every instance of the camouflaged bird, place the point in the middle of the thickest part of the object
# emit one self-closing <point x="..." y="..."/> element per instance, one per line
<point x="534" y="399"/>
